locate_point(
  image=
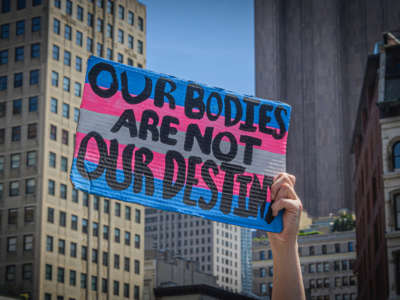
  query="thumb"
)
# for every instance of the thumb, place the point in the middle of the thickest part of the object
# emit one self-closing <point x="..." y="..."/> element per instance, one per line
<point x="290" y="205"/>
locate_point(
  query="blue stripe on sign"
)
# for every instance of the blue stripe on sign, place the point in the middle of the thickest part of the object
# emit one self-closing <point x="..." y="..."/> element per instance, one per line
<point x="100" y="187"/>
<point x="136" y="84"/>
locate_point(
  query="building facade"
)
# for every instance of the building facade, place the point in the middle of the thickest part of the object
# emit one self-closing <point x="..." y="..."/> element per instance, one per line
<point x="57" y="242"/>
<point x="216" y="246"/>
<point x="389" y="107"/>
<point x="311" y="54"/>
<point x="246" y="259"/>
<point x="326" y="262"/>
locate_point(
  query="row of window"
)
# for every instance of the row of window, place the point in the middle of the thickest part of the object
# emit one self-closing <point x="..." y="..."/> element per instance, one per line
<point x="321" y="283"/>
<point x="337" y="248"/>
<point x="19" y="79"/>
<point x="67" y="58"/>
<point x="99" y="46"/>
<point x="19" y="53"/>
<point x="65" y="109"/>
<point x="15" y="160"/>
<point x="11" y="272"/>
<point x="20" y="4"/>
<point x="16" y="133"/>
<point x="343" y="265"/>
<point x="12" y="244"/>
<point x="19" y="28"/>
<point x="17" y="106"/>
<point x="29" y="215"/>
<point x="337" y="297"/>
<point x="66" y="84"/>
<point x="95" y="227"/>
<point x="100" y="3"/>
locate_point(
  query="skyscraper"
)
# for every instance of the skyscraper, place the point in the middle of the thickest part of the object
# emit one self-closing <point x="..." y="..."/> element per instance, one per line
<point x="216" y="246"/>
<point x="312" y="54"/>
<point x="57" y="242"/>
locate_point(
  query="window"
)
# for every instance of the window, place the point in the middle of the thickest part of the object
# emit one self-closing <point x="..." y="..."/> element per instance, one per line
<point x="57" y="3"/>
<point x="64" y="137"/>
<point x="19" y="54"/>
<point x="89" y="44"/>
<point x="94" y="283"/>
<point x="52" y="160"/>
<point x="326" y="267"/>
<point x="17" y="107"/>
<point x="106" y="206"/>
<point x="337" y="248"/>
<point x="67" y="58"/>
<point x="14" y="188"/>
<point x="62" y="220"/>
<point x="136" y="292"/>
<point x="66" y="84"/>
<point x="94" y="256"/>
<point x="3" y="57"/>
<point x="65" y="110"/>
<point x="53" y="132"/>
<point x="79" y="13"/>
<point x="311" y="268"/>
<point x="130" y="62"/>
<point x="396" y="156"/>
<point x="109" y="54"/>
<point x="99" y="25"/>
<point x="36" y="2"/>
<point x="350" y="247"/>
<point x="33" y="104"/>
<point x="11" y="271"/>
<point x="51" y="187"/>
<point x="30" y="186"/>
<point x="53" y="105"/>
<point x="5" y="31"/>
<point x="68" y="33"/>
<point x="32" y="131"/>
<point x="127" y="238"/>
<point x="2" y="164"/>
<point x="72" y="277"/>
<point x="99" y="49"/>
<point x="109" y="31"/>
<point x="34" y="77"/>
<point x="18" y="80"/>
<point x="60" y="275"/>
<point x="126" y="290"/>
<point x="49" y="243"/>
<point x="63" y="191"/>
<point x="110" y="7"/>
<point x="36" y="24"/>
<point x="21" y="4"/>
<point x="100" y="3"/>
<point x="116" y="287"/>
<point x="120" y="36"/>
<point x="56" y="26"/>
<point x="77" y="89"/>
<point x="20" y="27"/>
<point x="64" y="164"/>
<point x="74" y="222"/>
<point x="117" y="235"/>
<point x="105" y="258"/>
<point x="106" y="232"/>
<point x="11" y="244"/>
<point x="85" y="199"/>
<point x="130" y="41"/>
<point x="76" y="114"/>
<point x="50" y="215"/>
<point x="79" y="38"/>
<point x="117" y="209"/>
<point x="141" y="23"/>
<point x="61" y="246"/>
<point x="96" y="201"/>
<point x="90" y="20"/>
<point x="54" y="78"/>
<point x="78" y="64"/>
<point x="131" y="18"/>
<point x="396" y="210"/>
<point x="83" y="281"/>
<point x="49" y="272"/>
<point x="140" y="47"/>
<point x="137" y="267"/>
<point x="3" y="83"/>
<point x="68" y="7"/>
<point x="84" y="225"/>
<point x="84" y="253"/>
<point x="31" y="158"/>
<point x="16" y="134"/>
<point x="137" y="241"/>
<point x="75" y="196"/>
<point x="127" y="264"/>
<point x="15" y="161"/>
<point x="121" y="12"/>
<point x="95" y="226"/>
<point x="120" y="58"/>
<point x="73" y="249"/>
<point x="28" y="242"/>
<point x="137" y="215"/>
<point x="127" y="213"/>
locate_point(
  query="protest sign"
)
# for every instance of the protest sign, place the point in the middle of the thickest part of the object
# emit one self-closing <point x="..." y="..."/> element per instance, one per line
<point x="177" y="145"/>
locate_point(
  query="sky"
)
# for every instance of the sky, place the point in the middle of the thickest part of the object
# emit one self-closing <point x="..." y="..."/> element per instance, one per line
<point x="208" y="41"/>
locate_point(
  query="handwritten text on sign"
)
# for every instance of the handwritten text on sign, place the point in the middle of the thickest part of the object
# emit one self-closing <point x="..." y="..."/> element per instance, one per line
<point x="180" y="146"/>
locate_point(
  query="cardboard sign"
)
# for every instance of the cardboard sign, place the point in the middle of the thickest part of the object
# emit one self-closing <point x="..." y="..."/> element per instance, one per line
<point x="177" y="145"/>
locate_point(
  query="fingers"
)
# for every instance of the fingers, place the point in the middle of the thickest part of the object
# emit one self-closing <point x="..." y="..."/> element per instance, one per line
<point x="279" y="180"/>
<point x="290" y="205"/>
<point x="285" y="191"/>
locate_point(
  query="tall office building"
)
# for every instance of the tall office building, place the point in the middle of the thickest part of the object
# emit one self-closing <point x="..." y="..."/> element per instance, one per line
<point x="216" y="246"/>
<point x="57" y="242"/>
<point x="312" y="55"/>
<point x="246" y="259"/>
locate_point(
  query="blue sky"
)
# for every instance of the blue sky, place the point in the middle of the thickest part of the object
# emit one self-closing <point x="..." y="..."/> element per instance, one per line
<point x="208" y="41"/>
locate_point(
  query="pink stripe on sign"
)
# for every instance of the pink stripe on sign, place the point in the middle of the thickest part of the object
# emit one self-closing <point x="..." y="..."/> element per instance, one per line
<point x="92" y="155"/>
<point x="116" y="105"/>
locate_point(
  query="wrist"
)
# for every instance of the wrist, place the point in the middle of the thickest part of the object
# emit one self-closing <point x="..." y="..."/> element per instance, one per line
<point x="282" y="246"/>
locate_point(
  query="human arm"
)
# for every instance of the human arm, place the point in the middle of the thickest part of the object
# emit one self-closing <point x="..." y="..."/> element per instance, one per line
<point x="288" y="280"/>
